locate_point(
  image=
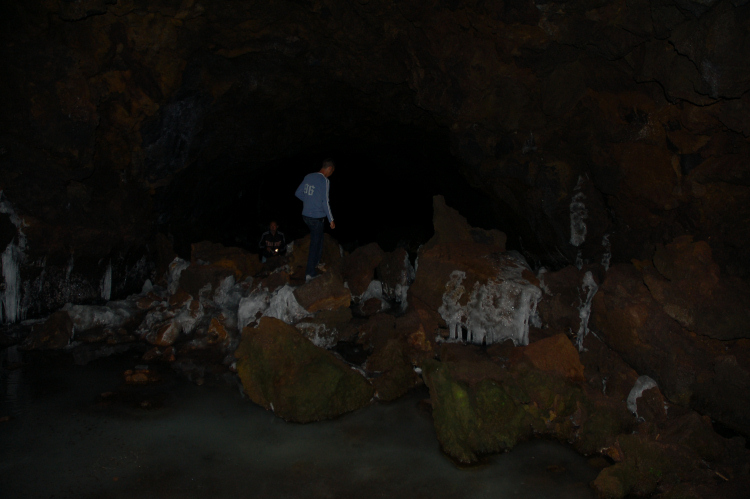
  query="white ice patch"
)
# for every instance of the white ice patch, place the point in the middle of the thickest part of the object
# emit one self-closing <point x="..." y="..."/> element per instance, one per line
<point x="642" y="384"/>
<point x="584" y="311"/>
<point x="542" y="285"/>
<point x="175" y="270"/>
<point x="186" y="319"/>
<point x="578" y="215"/>
<point x="284" y="306"/>
<point x="607" y="256"/>
<point x="250" y="306"/>
<point x="497" y="310"/>
<point x="318" y="334"/>
<point x="228" y="294"/>
<point x="579" y="260"/>
<point x="106" y="285"/>
<point x="147" y="287"/>
<point x="113" y="315"/>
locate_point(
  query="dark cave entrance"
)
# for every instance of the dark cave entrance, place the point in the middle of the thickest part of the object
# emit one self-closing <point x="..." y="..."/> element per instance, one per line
<point x="381" y="192"/>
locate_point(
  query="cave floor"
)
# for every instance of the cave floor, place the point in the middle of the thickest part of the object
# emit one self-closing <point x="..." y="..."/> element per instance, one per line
<point x="77" y="431"/>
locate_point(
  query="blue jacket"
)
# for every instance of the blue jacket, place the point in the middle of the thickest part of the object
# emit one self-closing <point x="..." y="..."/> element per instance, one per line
<point x="313" y="191"/>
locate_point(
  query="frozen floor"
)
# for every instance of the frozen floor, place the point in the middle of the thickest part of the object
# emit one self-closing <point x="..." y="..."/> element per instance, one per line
<point x="180" y="440"/>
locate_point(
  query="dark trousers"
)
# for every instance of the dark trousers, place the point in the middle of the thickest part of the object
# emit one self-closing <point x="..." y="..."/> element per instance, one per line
<point x="316" y="226"/>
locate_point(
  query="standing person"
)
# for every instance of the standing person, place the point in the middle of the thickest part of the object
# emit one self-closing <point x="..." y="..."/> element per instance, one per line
<point x="313" y="191"/>
<point x="272" y="242"/>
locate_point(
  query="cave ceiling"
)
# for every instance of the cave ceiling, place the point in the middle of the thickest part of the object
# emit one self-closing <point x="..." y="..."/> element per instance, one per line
<point x="639" y="109"/>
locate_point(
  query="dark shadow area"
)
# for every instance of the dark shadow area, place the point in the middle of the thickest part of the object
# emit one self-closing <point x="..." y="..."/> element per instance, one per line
<point x="379" y="193"/>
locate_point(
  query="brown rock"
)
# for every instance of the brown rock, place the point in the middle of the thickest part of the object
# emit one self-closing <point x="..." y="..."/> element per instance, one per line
<point x="326" y="292"/>
<point x="451" y="227"/>
<point x="689" y="287"/>
<point x="331" y="257"/>
<point x="651" y="406"/>
<point x="372" y="306"/>
<point x="327" y="327"/>
<point x="359" y="267"/>
<point x="217" y="332"/>
<point x="555" y="354"/>
<point x="240" y="262"/>
<point x="180" y="298"/>
<point x="54" y="333"/>
<point x="165" y="334"/>
<point x="275" y="281"/>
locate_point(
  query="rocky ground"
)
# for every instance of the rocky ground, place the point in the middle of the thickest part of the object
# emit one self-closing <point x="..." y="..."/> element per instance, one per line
<point x="643" y="366"/>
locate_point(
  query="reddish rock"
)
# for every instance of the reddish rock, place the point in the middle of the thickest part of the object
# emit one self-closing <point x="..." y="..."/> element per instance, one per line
<point x="180" y="298"/>
<point x="275" y="281"/>
<point x="140" y="376"/>
<point x="691" y="290"/>
<point x="651" y="406"/>
<point x="359" y="267"/>
<point x="331" y="258"/>
<point x="240" y="262"/>
<point x="326" y="292"/>
<point x="555" y="354"/>
<point x="149" y="301"/>
<point x="327" y="327"/>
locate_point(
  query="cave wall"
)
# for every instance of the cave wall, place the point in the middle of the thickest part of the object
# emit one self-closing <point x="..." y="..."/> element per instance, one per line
<point x="632" y="115"/>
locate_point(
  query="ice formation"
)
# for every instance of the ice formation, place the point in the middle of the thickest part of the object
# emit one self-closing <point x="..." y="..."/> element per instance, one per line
<point x="542" y="285"/>
<point x="318" y="334"/>
<point x="112" y="315"/>
<point x="70" y="267"/>
<point x="578" y="215"/>
<point x="249" y="307"/>
<point x="642" y="384"/>
<point x="607" y="256"/>
<point x="584" y="311"/>
<point x="106" y="285"/>
<point x="284" y="306"/>
<point x="497" y="310"/>
<point x="175" y="270"/>
<point x="12" y="258"/>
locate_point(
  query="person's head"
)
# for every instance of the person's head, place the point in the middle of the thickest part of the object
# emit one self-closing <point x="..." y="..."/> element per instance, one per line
<point x="273" y="226"/>
<point x="327" y="167"/>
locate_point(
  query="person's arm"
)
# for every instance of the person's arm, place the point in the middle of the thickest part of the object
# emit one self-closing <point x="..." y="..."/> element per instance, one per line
<point x="300" y="191"/>
<point x="328" y="205"/>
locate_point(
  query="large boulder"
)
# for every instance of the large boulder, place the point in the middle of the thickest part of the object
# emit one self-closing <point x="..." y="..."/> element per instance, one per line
<point x="691" y="370"/>
<point x="332" y="256"/>
<point x="326" y="292"/>
<point x="283" y="371"/>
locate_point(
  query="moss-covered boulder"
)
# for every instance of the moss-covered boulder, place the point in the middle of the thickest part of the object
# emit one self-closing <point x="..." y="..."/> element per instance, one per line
<point x="283" y="371"/>
<point x="482" y="408"/>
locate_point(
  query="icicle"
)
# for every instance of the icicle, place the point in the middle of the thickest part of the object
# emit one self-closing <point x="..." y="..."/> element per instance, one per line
<point x="578" y="214"/>
<point x="607" y="252"/>
<point x="106" y="284"/>
<point x="590" y="287"/>
<point x="175" y="270"/>
<point x="12" y="258"/>
<point x="70" y="267"/>
<point x="497" y="310"/>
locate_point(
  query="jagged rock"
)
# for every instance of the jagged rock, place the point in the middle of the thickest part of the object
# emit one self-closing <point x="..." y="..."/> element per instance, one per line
<point x="241" y="262"/>
<point x="691" y="370"/>
<point x="564" y="295"/>
<point x="359" y="267"/>
<point x="54" y="333"/>
<point x="451" y="227"/>
<point x="691" y="290"/>
<point x="331" y="258"/>
<point x="283" y="371"/>
<point x="326" y="292"/>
